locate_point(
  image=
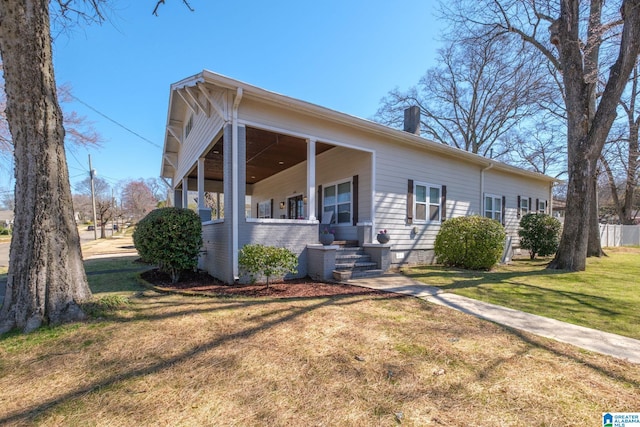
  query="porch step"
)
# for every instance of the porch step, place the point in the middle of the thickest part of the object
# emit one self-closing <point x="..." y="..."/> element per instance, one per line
<point x="346" y="243"/>
<point x="352" y="262"/>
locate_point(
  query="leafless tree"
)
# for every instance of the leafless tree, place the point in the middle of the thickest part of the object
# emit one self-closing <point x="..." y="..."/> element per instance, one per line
<point x="479" y="93"/>
<point x="137" y="199"/>
<point x="576" y="38"/>
<point x="539" y="147"/>
<point x="619" y="159"/>
<point x="105" y="209"/>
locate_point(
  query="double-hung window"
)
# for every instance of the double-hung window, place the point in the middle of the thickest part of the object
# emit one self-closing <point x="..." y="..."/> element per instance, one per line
<point x="264" y="209"/>
<point x="524" y="206"/>
<point x="493" y="207"/>
<point x="542" y="206"/>
<point x="427" y="202"/>
<point x="336" y="201"/>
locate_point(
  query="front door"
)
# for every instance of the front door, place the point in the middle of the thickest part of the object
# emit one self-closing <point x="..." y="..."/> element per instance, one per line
<point x="295" y="207"/>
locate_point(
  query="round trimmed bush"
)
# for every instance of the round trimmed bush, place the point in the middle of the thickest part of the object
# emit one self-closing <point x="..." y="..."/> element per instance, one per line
<point x="472" y="242"/>
<point x="170" y="238"/>
<point x="540" y="234"/>
<point x="268" y="261"/>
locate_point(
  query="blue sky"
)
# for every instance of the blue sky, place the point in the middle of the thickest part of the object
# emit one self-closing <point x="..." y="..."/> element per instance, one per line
<point x="344" y="55"/>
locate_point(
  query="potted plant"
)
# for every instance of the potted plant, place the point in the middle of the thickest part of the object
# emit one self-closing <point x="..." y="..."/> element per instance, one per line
<point x="326" y="236"/>
<point x="383" y="237"/>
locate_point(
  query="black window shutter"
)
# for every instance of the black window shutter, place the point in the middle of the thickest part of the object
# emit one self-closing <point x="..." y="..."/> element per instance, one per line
<point x="355" y="199"/>
<point x="410" y="202"/>
<point x="530" y="210"/>
<point x="537" y="204"/>
<point x="504" y="208"/>
<point x="519" y="207"/>
<point x="257" y="210"/>
<point x="319" y="197"/>
<point x="271" y="213"/>
<point x="443" y="204"/>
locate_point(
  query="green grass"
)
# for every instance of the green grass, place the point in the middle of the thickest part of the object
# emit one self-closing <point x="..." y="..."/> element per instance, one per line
<point x="606" y="296"/>
<point x="113" y="275"/>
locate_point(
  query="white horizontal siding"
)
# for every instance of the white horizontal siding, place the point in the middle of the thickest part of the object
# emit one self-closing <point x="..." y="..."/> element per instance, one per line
<point x="510" y="186"/>
<point x="395" y="166"/>
<point x="202" y="134"/>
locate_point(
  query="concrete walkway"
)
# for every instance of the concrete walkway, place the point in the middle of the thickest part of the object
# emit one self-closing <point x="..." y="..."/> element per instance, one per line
<point x="589" y="339"/>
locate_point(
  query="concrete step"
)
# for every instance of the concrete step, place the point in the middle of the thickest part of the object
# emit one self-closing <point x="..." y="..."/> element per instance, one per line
<point x="346" y="243"/>
<point x="376" y="272"/>
<point x="345" y="251"/>
<point x="356" y="266"/>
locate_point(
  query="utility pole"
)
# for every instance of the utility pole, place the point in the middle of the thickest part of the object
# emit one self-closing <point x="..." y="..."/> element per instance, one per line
<point x="93" y="200"/>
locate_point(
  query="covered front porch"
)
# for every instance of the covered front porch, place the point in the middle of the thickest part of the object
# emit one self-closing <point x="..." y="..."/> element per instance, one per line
<point x="289" y="188"/>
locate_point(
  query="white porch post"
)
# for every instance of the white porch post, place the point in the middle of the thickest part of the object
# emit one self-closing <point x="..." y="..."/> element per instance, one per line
<point x="203" y="211"/>
<point x="311" y="179"/>
<point x="201" y="183"/>
<point x="185" y="192"/>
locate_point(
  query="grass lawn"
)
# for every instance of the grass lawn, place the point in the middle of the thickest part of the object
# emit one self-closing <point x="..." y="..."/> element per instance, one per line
<point x="606" y="296"/>
<point x="159" y="359"/>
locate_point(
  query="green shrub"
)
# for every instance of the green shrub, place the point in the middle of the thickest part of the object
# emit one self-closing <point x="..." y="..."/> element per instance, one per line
<point x="472" y="242"/>
<point x="5" y="231"/>
<point x="267" y="261"/>
<point x="170" y="238"/>
<point x="540" y="234"/>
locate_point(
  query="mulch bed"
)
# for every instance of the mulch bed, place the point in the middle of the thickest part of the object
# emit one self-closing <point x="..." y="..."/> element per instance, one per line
<point x="201" y="282"/>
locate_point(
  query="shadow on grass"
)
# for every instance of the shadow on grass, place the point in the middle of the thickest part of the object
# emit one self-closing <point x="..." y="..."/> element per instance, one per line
<point x="266" y="321"/>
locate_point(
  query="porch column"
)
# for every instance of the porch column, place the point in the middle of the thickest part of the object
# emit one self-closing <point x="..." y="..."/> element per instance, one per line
<point x="177" y="198"/>
<point x="203" y="211"/>
<point x="311" y="179"/>
<point x="185" y="192"/>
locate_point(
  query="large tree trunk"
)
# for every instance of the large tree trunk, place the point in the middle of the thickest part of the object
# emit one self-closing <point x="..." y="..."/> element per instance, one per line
<point x="46" y="280"/>
<point x="587" y="130"/>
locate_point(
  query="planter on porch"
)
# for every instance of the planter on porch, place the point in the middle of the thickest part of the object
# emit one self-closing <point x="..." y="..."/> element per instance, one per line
<point x="326" y="238"/>
<point x="383" y="238"/>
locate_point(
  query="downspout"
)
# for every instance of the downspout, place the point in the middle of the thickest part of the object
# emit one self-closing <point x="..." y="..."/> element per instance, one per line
<point x="482" y="171"/>
<point x="234" y="184"/>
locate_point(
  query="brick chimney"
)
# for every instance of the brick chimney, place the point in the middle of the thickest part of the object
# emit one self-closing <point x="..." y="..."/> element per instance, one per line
<point x="412" y="120"/>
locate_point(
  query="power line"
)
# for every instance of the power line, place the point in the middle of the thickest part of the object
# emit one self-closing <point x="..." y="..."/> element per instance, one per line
<point x="148" y="141"/>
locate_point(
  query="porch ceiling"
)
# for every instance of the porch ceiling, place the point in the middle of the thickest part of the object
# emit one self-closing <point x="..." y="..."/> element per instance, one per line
<point x="268" y="153"/>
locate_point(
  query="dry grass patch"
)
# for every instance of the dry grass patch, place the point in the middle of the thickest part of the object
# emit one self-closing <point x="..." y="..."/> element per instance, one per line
<point x="350" y="360"/>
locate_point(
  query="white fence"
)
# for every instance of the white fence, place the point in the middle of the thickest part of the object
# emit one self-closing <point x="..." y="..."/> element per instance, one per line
<point x="619" y="235"/>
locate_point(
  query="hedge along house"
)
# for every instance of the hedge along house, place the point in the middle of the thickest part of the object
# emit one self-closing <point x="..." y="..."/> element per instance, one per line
<point x="275" y="170"/>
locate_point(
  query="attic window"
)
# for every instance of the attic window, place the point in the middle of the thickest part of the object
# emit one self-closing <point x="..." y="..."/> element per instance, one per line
<point x="188" y="126"/>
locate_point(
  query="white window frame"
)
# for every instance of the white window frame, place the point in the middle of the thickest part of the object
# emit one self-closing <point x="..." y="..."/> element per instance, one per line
<point x="523" y="211"/>
<point x="264" y="209"/>
<point x="542" y="206"/>
<point x="497" y="201"/>
<point x="334" y="220"/>
<point x="427" y="203"/>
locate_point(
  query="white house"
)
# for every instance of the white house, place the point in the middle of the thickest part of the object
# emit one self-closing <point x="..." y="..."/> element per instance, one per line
<point x="278" y="170"/>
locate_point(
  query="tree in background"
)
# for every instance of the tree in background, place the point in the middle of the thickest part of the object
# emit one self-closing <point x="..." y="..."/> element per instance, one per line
<point x="480" y="92"/>
<point x="137" y="199"/>
<point x="105" y="204"/>
<point x="619" y="159"/>
<point x="577" y="41"/>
